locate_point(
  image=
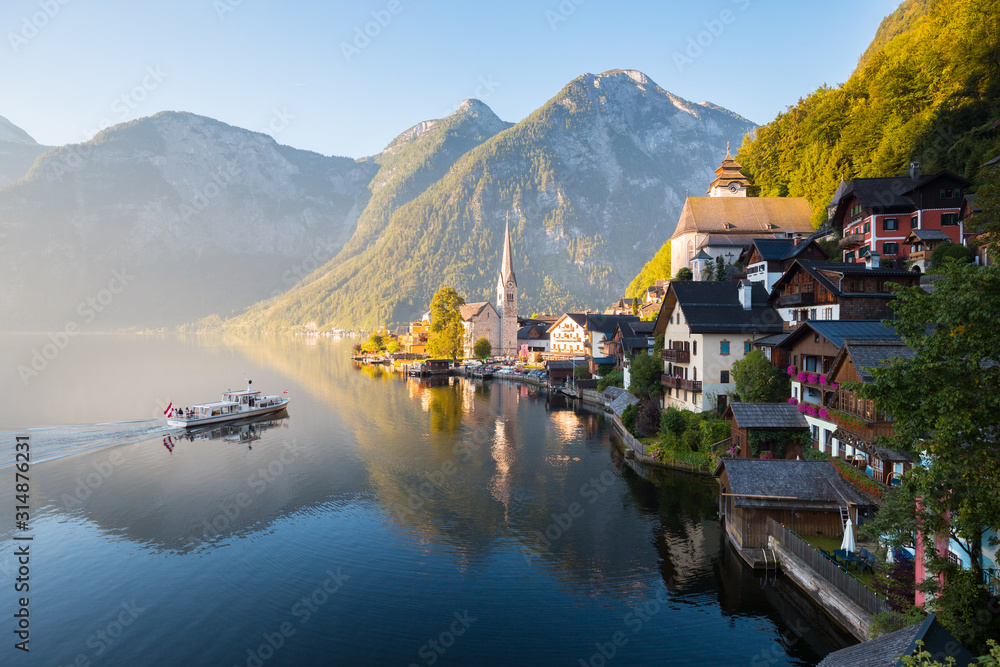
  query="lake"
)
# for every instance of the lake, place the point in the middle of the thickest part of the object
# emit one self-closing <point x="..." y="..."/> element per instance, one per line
<point x="381" y="521"/>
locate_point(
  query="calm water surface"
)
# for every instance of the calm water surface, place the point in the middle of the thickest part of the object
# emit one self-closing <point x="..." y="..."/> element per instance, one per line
<point x="381" y="521"/>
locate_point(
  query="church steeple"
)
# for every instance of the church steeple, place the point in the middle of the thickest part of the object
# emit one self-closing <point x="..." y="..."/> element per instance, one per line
<point x="507" y="299"/>
<point x="506" y="261"/>
<point x="729" y="180"/>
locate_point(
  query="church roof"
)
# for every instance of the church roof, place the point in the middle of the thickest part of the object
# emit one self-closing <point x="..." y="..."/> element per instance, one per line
<point x="753" y="216"/>
<point x="473" y="310"/>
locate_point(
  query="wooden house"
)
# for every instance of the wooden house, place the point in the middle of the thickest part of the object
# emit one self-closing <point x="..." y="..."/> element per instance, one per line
<point x="766" y="260"/>
<point x="766" y="430"/>
<point x="807" y="497"/>
<point x="876" y="214"/>
<point x="812" y="290"/>
<point x="922" y="243"/>
<point x="858" y="421"/>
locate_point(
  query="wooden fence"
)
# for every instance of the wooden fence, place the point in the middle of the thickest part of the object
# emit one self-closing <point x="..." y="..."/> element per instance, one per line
<point x="853" y="589"/>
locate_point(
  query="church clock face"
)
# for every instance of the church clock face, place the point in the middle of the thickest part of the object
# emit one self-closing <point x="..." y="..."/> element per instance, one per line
<point x="734" y="188"/>
<point x="510" y="283"/>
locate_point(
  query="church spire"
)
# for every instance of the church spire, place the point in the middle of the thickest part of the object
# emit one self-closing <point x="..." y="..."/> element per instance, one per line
<point x="507" y="263"/>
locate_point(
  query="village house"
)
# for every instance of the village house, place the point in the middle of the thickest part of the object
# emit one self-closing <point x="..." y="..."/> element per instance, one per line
<point x="582" y="334"/>
<point x="806" y="354"/>
<point x="807" y="497"/>
<point x="885" y="651"/>
<point x="533" y="340"/>
<point x="414" y="339"/>
<point x="766" y="430"/>
<point x="706" y="327"/>
<point x="629" y="339"/>
<point x="813" y="290"/>
<point x="877" y="214"/>
<point x="859" y="423"/>
<point x="480" y="320"/>
<point x="726" y="222"/>
<point x="766" y="260"/>
<point x="921" y="244"/>
<point x="652" y="298"/>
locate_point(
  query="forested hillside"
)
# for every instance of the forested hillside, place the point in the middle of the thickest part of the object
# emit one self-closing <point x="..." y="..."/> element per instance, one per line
<point x="927" y="89"/>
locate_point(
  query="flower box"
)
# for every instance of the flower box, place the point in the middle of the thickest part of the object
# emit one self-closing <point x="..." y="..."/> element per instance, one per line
<point x="793" y="400"/>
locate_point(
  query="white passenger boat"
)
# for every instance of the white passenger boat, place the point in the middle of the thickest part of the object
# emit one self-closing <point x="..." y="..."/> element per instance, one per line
<point x="234" y="405"/>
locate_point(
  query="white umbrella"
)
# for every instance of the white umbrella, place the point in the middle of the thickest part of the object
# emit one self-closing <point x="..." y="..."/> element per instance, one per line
<point x="848" y="543"/>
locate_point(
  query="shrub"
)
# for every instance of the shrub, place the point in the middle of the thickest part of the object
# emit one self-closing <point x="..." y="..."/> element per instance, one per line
<point x="714" y="430"/>
<point x="615" y="378"/>
<point x="629" y="416"/>
<point x="672" y="421"/>
<point x="949" y="250"/>
<point x="648" y="421"/>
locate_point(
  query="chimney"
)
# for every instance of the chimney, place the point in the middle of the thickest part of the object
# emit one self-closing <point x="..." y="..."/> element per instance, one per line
<point x="871" y="261"/>
<point x="914" y="170"/>
<point x="796" y="241"/>
<point x="745" y="289"/>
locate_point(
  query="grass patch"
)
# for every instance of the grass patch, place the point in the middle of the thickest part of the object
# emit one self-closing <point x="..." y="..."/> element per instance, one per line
<point x="831" y="544"/>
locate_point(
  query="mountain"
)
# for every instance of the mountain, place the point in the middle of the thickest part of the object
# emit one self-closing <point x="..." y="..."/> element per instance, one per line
<point x="926" y="89"/>
<point x="195" y="216"/>
<point x="592" y="183"/>
<point x="18" y="151"/>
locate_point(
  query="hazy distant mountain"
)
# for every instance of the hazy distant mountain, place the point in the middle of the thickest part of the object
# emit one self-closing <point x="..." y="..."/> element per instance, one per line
<point x="205" y="218"/>
<point x="593" y="183"/>
<point x="202" y="217"/>
<point x="18" y="151"/>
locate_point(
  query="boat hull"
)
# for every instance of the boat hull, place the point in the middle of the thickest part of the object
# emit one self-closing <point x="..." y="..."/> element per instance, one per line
<point x="191" y="423"/>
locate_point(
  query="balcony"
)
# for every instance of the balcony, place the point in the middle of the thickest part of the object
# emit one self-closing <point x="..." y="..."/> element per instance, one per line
<point x="851" y="241"/>
<point x="800" y="299"/>
<point x="680" y="383"/>
<point x="676" y="356"/>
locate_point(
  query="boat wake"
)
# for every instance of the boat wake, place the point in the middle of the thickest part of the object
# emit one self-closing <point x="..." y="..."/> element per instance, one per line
<point x="59" y="441"/>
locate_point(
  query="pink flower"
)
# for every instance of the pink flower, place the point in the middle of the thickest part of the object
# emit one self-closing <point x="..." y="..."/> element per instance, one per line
<point x="812" y="378"/>
<point x="802" y="376"/>
<point x="822" y="379"/>
<point x="811" y="411"/>
<point x="790" y="370"/>
<point x="793" y="400"/>
<point x="834" y="385"/>
<point x="824" y="414"/>
<point x="802" y="408"/>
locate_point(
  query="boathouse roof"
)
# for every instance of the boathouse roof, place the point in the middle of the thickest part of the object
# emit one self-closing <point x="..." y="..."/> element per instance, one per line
<point x="779" y="483"/>
<point x="883" y="651"/>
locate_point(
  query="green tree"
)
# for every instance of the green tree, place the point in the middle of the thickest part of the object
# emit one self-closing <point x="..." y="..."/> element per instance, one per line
<point x="392" y="346"/>
<point x="672" y="421"/>
<point x="945" y="401"/>
<point x="758" y="381"/>
<point x="644" y="375"/>
<point x="615" y="378"/>
<point x="581" y="372"/>
<point x="947" y="251"/>
<point x="720" y="269"/>
<point x="482" y="348"/>
<point x="447" y="333"/>
<point x="684" y="274"/>
<point x="987" y="220"/>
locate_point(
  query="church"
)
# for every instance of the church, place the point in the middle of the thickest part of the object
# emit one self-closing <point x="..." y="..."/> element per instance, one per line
<point x="498" y="324"/>
<point x="725" y="222"/>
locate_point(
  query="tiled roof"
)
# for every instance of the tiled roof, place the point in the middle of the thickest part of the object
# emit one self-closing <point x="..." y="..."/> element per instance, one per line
<point x="883" y="651"/>
<point x="868" y="354"/>
<point x="525" y="332"/>
<point x="715" y="307"/>
<point x="815" y="482"/>
<point x="835" y="331"/>
<point x="774" y="340"/>
<point x="819" y="270"/>
<point x="768" y="415"/>
<point x="607" y="323"/>
<point x="744" y="215"/>
<point x="929" y="235"/>
<point x="471" y="310"/>
<point x="622" y="401"/>
<point x="560" y="365"/>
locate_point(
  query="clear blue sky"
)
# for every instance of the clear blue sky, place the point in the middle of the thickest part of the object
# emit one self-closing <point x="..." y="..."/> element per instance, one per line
<point x="240" y="61"/>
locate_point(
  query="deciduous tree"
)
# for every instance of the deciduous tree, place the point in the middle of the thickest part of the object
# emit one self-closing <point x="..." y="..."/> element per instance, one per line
<point x="447" y="332"/>
<point x="482" y="348"/>
<point x="758" y="381"/>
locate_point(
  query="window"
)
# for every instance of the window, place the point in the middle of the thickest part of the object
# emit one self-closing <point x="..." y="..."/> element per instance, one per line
<point x="724" y="347"/>
<point x="747" y="347"/>
<point x="949" y="219"/>
<point x="828" y="313"/>
<point x="913" y="222"/>
<point x="868" y="227"/>
<point x="856" y="210"/>
<point x="949" y="193"/>
<point x="694" y="348"/>
<point x="890" y="248"/>
<point x="890" y="224"/>
<point x="849" y="256"/>
<point x="815" y="433"/>
<point x="724" y="377"/>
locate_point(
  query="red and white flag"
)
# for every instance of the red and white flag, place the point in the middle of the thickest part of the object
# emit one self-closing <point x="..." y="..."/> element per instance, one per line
<point x="169" y="412"/>
<point x="285" y="392"/>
